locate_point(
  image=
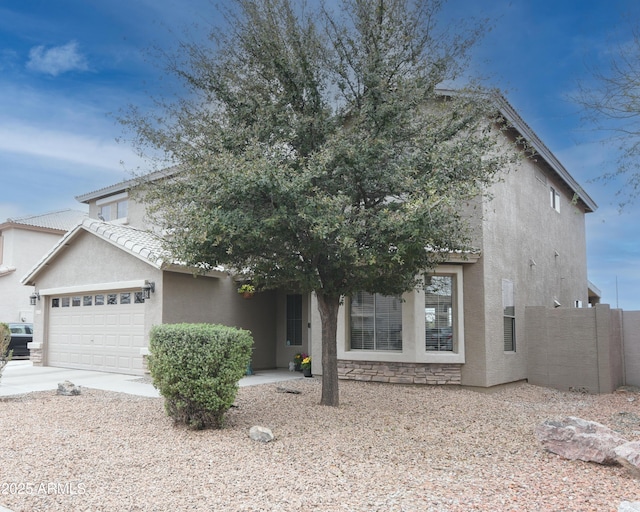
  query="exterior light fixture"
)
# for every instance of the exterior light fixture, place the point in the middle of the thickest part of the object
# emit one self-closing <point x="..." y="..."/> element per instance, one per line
<point x="34" y="298"/>
<point x="147" y="288"/>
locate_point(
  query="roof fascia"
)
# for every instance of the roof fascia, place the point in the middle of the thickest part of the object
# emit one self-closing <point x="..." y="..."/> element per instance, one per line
<point x="510" y="114"/>
<point x="126" y="185"/>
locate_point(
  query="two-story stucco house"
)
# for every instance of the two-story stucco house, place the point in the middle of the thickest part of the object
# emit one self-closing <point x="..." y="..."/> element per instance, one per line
<point x="23" y="241"/>
<point x="106" y="283"/>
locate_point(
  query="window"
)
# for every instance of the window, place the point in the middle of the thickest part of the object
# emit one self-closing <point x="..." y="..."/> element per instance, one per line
<point x="122" y="209"/>
<point x="138" y="298"/>
<point x="294" y="319"/>
<point x="99" y="300"/>
<point x="55" y="303"/>
<point x="65" y="302"/>
<point x="555" y="199"/>
<point x="376" y="322"/>
<point x="125" y="298"/>
<point x="114" y="207"/>
<point x="105" y="212"/>
<point x="438" y="312"/>
<point x="75" y="302"/>
<point x="112" y="298"/>
<point x="509" y="316"/>
<point x="87" y="300"/>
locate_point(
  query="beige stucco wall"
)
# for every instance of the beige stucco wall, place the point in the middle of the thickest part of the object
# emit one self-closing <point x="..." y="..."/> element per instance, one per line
<point x="215" y="300"/>
<point x="522" y="239"/>
<point x="631" y="326"/>
<point x="22" y="249"/>
<point x="542" y="251"/>
<point x="574" y="349"/>
<point x="90" y="260"/>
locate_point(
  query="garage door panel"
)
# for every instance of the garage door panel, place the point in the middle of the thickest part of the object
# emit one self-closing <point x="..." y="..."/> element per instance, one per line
<point x="101" y="337"/>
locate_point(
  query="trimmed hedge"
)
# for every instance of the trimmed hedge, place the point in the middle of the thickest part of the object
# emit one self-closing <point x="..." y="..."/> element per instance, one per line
<point x="196" y="368"/>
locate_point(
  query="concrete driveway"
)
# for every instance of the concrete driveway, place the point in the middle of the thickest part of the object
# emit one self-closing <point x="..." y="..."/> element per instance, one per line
<point x="21" y="377"/>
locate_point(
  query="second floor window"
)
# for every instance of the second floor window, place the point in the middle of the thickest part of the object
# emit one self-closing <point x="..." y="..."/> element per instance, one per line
<point x="105" y="212"/>
<point x="555" y="199"/>
<point x="115" y="210"/>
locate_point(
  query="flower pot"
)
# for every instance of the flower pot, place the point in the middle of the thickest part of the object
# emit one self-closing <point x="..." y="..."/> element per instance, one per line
<point x="307" y="372"/>
<point x="247" y="295"/>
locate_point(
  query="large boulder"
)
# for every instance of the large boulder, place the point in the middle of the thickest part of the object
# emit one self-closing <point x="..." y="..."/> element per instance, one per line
<point x="628" y="455"/>
<point x="578" y="439"/>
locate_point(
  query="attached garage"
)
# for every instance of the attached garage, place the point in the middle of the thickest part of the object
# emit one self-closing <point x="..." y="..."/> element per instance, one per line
<point x="101" y="330"/>
<point x="96" y="299"/>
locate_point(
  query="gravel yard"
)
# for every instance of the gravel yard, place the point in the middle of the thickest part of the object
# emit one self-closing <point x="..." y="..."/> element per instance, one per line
<point x="386" y="448"/>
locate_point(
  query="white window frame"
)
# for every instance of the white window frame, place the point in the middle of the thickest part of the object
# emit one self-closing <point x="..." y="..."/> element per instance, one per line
<point x="554" y="197"/>
<point x="413" y="329"/>
<point x="111" y="206"/>
<point x="508" y="314"/>
<point x="458" y="354"/>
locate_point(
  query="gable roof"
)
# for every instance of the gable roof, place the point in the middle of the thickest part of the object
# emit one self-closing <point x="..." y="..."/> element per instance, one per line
<point x="59" y="221"/>
<point x="510" y="114"/>
<point x="141" y="244"/>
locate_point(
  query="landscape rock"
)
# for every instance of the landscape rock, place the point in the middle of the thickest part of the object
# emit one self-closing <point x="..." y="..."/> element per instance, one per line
<point x="577" y="439"/>
<point x="261" y="434"/>
<point x="629" y="506"/>
<point x="280" y="389"/>
<point x="628" y="455"/>
<point x="68" y="388"/>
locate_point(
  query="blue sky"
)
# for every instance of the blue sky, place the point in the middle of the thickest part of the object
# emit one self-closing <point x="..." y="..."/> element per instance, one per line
<point x="68" y="67"/>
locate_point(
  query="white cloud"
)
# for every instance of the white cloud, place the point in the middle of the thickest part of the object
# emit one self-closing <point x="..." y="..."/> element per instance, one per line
<point x="73" y="148"/>
<point x="57" y="60"/>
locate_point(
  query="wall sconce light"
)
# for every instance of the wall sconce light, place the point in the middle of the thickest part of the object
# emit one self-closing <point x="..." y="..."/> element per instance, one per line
<point x="147" y="288"/>
<point x="34" y="298"/>
<point x="556" y="303"/>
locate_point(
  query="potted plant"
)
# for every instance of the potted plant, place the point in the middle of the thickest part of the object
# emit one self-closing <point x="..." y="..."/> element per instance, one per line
<point x="247" y="290"/>
<point x="306" y="366"/>
<point x="297" y="361"/>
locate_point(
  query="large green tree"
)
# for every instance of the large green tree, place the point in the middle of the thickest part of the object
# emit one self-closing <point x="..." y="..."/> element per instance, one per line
<point x="314" y="151"/>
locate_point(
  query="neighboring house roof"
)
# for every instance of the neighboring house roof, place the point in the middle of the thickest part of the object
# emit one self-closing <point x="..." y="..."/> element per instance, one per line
<point x="141" y="244"/>
<point x="125" y="185"/>
<point x="59" y="221"/>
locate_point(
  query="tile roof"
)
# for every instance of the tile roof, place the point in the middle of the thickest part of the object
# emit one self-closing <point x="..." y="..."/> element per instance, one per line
<point x="143" y="244"/>
<point x="62" y="220"/>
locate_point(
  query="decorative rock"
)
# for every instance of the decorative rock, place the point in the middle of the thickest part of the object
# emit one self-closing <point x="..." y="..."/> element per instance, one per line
<point x="261" y="434"/>
<point x="280" y="389"/>
<point x="629" y="506"/>
<point x="628" y="455"/>
<point x="68" y="388"/>
<point x="575" y="438"/>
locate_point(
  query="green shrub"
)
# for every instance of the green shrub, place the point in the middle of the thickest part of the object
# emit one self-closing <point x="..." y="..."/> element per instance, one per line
<point x="196" y="368"/>
<point x="5" y="338"/>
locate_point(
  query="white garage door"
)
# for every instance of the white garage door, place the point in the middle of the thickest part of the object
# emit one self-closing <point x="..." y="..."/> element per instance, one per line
<point x="99" y="331"/>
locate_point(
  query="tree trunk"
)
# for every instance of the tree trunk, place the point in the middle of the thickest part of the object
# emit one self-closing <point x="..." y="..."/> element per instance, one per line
<point x="328" y="308"/>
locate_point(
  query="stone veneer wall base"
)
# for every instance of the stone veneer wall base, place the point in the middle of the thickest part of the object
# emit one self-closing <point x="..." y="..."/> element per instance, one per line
<point x="400" y="373"/>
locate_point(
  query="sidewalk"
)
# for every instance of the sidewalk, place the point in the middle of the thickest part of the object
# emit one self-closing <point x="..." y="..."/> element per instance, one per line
<point x="21" y="377"/>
